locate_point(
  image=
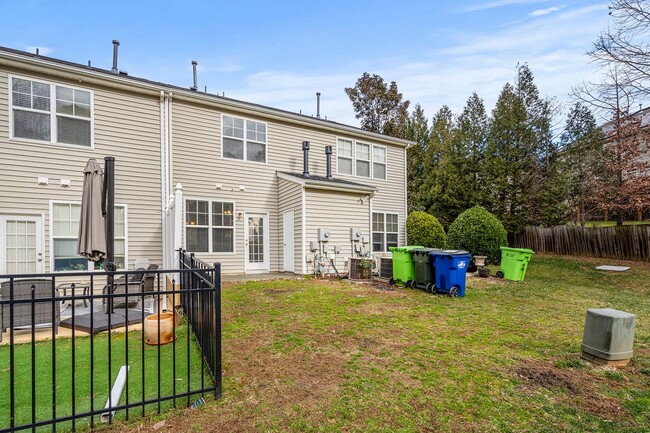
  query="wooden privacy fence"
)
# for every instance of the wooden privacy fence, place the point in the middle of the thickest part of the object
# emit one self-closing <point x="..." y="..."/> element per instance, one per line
<point x="619" y="242"/>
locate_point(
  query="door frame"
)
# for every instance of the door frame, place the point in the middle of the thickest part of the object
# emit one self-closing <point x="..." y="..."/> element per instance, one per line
<point x="293" y="241"/>
<point x="265" y="239"/>
<point x="39" y="218"/>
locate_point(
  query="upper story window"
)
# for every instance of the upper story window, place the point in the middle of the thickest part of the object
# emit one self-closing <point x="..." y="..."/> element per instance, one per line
<point x="360" y="159"/>
<point x="243" y="139"/>
<point x="51" y="112"/>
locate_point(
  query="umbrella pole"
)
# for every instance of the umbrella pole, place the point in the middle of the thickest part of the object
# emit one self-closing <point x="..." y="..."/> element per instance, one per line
<point x="109" y="185"/>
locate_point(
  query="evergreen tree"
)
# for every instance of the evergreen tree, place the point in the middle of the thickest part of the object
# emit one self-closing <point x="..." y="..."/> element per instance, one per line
<point x="582" y="153"/>
<point x="471" y="139"/>
<point x="441" y="168"/>
<point x="417" y="130"/>
<point x="511" y="158"/>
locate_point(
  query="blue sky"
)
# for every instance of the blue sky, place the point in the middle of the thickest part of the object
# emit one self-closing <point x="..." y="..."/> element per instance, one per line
<point x="281" y="53"/>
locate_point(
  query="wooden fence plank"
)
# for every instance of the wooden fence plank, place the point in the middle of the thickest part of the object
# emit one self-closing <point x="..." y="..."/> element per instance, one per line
<point x="618" y="242"/>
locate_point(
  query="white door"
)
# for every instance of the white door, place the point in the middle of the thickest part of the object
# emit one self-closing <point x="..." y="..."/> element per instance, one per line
<point x="21" y="245"/>
<point x="288" y="241"/>
<point x="256" y="242"/>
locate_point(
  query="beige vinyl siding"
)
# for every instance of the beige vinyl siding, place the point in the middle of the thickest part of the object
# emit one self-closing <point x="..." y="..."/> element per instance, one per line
<point x="290" y="197"/>
<point x="198" y="166"/>
<point x="126" y="127"/>
<point x="337" y="212"/>
<point x="390" y="195"/>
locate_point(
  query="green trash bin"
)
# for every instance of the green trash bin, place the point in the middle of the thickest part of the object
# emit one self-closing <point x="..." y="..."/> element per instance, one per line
<point x="403" y="267"/>
<point x="425" y="272"/>
<point x="514" y="262"/>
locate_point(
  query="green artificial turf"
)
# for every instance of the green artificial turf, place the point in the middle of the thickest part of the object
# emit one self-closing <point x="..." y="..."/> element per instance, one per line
<point x="82" y="391"/>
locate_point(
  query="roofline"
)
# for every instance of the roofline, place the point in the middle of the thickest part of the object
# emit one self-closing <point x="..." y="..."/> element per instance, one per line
<point x="45" y="65"/>
<point x="320" y="184"/>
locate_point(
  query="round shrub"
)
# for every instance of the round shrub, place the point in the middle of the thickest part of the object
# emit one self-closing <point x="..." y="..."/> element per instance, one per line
<point x="425" y="230"/>
<point x="479" y="232"/>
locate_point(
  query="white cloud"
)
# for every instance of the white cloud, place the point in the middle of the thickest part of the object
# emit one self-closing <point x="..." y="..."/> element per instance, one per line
<point x="44" y="51"/>
<point x="541" y="12"/>
<point x="497" y="4"/>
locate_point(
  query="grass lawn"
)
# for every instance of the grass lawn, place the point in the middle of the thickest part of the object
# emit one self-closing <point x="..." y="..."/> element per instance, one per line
<point x="64" y="391"/>
<point x="329" y="356"/>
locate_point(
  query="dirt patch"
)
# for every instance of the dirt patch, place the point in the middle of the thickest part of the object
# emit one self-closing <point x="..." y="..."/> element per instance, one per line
<point x="275" y="291"/>
<point x="582" y="388"/>
<point x="545" y="377"/>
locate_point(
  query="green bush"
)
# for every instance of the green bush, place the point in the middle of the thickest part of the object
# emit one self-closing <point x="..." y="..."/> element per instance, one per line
<point x="425" y="230"/>
<point x="479" y="232"/>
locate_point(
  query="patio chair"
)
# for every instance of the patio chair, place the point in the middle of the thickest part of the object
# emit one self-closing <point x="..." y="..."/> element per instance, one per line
<point x="133" y="283"/>
<point x="23" y="315"/>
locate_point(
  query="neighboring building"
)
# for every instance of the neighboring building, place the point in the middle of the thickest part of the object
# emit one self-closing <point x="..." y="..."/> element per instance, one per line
<point x="217" y="176"/>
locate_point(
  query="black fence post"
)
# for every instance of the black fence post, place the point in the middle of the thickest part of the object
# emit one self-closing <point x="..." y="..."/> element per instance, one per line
<point x="216" y="368"/>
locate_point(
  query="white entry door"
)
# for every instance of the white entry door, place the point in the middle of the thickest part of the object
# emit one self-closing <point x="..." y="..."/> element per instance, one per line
<point x="256" y="242"/>
<point x="288" y="241"/>
<point x="21" y="245"/>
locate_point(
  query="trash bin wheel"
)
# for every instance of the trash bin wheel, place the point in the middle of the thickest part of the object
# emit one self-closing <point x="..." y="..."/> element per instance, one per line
<point x="430" y="287"/>
<point x="410" y="284"/>
<point x="500" y="274"/>
<point x="391" y="282"/>
<point x="453" y="292"/>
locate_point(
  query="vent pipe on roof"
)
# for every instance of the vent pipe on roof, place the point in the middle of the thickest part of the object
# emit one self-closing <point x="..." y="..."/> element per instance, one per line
<point x="116" y="44"/>
<point x="194" y="87"/>
<point x="328" y="155"/>
<point x="305" y="150"/>
<point x="318" y="105"/>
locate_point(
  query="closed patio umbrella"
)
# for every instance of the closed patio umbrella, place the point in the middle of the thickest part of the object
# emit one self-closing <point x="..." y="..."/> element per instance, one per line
<point x="92" y="234"/>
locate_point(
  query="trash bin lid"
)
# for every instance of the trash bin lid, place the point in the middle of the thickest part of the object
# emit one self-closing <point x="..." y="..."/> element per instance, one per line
<point x="424" y="251"/>
<point x="518" y="250"/>
<point x="450" y="253"/>
<point x="404" y="249"/>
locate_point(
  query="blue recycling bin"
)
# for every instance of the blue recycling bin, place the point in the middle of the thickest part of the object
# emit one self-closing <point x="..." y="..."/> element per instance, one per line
<point x="451" y="271"/>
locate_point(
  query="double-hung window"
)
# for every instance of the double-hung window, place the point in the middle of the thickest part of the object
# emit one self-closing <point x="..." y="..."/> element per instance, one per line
<point x="243" y="139"/>
<point x="385" y="231"/>
<point x="51" y="112"/>
<point x="65" y="232"/>
<point x="209" y="226"/>
<point x="356" y="158"/>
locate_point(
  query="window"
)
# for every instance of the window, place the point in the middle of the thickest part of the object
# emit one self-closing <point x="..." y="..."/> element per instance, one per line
<point x="65" y="232"/>
<point x="363" y="159"/>
<point x="378" y="162"/>
<point x="385" y="231"/>
<point x="33" y="103"/>
<point x="360" y="159"/>
<point x="344" y="155"/>
<point x="209" y="226"/>
<point x="244" y="139"/>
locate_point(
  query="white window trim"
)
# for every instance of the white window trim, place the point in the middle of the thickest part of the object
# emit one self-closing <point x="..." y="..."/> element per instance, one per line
<point x="52" y="114"/>
<point x="245" y="139"/>
<point x="354" y="158"/>
<point x="210" y="226"/>
<point x="385" y="232"/>
<point x="91" y="265"/>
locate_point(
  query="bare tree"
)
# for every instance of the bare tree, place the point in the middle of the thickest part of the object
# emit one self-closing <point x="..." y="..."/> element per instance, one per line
<point x="626" y="45"/>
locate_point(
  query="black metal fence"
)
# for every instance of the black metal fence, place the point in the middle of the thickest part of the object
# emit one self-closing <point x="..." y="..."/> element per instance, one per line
<point x="107" y="364"/>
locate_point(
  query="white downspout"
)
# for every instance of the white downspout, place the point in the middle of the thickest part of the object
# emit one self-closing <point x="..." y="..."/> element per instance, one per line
<point x="405" y="195"/>
<point x="163" y="179"/>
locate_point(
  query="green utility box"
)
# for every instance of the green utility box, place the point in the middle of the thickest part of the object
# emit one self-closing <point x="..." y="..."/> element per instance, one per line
<point x="403" y="267"/>
<point x="514" y="262"/>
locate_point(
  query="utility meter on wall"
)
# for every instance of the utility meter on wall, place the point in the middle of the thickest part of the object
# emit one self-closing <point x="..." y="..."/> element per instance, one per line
<point x="323" y="235"/>
<point x="355" y="234"/>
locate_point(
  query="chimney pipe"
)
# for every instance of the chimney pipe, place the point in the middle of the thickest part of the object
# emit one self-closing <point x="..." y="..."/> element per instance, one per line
<point x="305" y="150"/>
<point x="328" y="154"/>
<point x="194" y="87"/>
<point x="318" y="105"/>
<point x="116" y="44"/>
